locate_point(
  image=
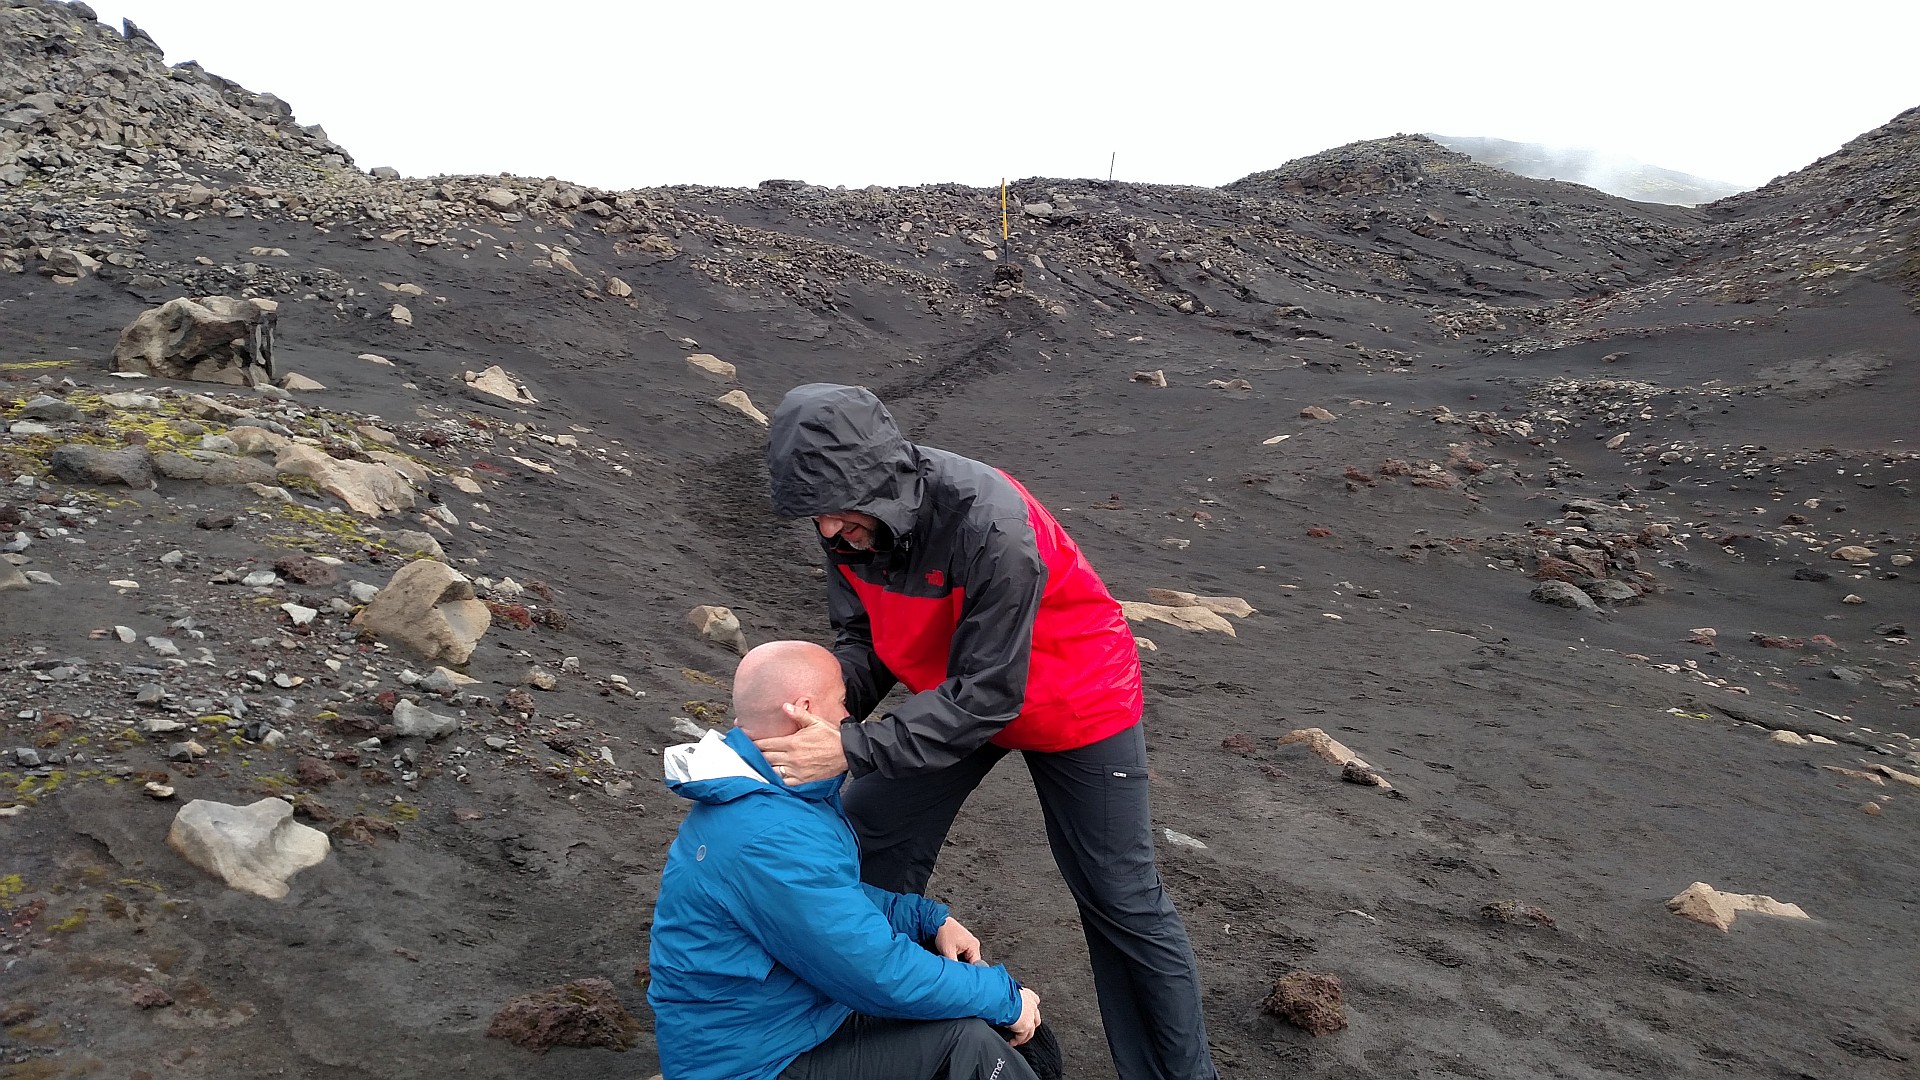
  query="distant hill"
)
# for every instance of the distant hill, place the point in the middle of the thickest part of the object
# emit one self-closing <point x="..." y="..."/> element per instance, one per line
<point x="1610" y="173"/>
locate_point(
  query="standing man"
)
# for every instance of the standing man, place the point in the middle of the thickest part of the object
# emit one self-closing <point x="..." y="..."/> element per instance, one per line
<point x="945" y="575"/>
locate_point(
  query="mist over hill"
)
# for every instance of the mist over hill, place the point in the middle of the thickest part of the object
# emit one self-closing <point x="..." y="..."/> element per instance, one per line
<point x="1614" y="174"/>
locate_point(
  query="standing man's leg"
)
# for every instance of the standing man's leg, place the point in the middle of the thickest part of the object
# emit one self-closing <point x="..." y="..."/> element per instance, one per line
<point x="868" y="1048"/>
<point x="1095" y="802"/>
<point x="902" y="823"/>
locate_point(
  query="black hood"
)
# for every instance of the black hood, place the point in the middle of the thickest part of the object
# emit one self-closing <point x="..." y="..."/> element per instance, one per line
<point x="835" y="448"/>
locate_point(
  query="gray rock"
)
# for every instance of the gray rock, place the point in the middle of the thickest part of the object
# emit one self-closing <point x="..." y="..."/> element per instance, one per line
<point x="212" y="467"/>
<point x="1561" y="594"/>
<point x="26" y="757"/>
<point x="186" y="751"/>
<point x="131" y="400"/>
<point x="413" y="720"/>
<point x="150" y="694"/>
<point x="362" y="592"/>
<point x="413" y="541"/>
<point x="442" y="681"/>
<point x="29" y="427"/>
<point x="261" y="579"/>
<point x="82" y="464"/>
<point x="11" y="578"/>
<point x="163" y="646"/>
<point x="1613" y="592"/>
<point x="254" y="849"/>
<point x="65" y="262"/>
<point x="47" y="407"/>
<point x="687" y="728"/>
<point x="1847" y="675"/>
<point x="160" y="725"/>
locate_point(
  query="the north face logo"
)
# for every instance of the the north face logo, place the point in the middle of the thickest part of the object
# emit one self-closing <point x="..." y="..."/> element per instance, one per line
<point x="936" y="579"/>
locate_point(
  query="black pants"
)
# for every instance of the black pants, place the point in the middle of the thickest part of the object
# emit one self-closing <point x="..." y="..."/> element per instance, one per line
<point x="868" y="1048"/>
<point x="1095" y="803"/>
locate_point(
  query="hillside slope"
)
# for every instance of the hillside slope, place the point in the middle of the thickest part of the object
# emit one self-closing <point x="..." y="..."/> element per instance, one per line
<point x="1695" y="415"/>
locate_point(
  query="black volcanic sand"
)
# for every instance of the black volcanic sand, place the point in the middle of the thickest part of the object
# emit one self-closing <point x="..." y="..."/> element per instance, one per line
<point x="1538" y="761"/>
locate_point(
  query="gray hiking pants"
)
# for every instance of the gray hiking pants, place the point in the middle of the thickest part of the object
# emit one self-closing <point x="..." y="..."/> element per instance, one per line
<point x="869" y="1048"/>
<point x="1094" y="800"/>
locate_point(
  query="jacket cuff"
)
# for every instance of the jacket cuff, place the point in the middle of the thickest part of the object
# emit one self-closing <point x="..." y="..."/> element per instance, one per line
<point x="1011" y="1006"/>
<point x="857" y="748"/>
<point x="933" y="914"/>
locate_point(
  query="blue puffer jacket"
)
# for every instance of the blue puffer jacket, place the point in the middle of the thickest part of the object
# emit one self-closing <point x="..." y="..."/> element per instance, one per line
<point x="764" y="939"/>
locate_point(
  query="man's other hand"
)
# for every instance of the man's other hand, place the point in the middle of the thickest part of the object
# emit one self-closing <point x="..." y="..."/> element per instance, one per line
<point x="812" y="753"/>
<point x="956" y="942"/>
<point x="1022" y="1029"/>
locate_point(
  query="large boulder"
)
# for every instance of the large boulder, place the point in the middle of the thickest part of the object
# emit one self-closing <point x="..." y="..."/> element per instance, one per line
<point x="81" y="463"/>
<point x="215" y="339"/>
<point x="213" y="467"/>
<point x="414" y="542"/>
<point x="253" y="440"/>
<point x="367" y="488"/>
<point x="1561" y="594"/>
<point x="252" y="848"/>
<point x="47" y="407"/>
<point x="429" y="608"/>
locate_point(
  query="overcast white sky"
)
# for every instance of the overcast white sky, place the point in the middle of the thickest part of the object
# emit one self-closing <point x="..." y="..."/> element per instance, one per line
<point x="630" y="94"/>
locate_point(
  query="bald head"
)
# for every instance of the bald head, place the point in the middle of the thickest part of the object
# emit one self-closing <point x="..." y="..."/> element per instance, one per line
<point x="786" y="672"/>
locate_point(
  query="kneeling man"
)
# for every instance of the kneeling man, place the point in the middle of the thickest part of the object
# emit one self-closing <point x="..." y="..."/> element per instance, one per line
<point x="769" y="958"/>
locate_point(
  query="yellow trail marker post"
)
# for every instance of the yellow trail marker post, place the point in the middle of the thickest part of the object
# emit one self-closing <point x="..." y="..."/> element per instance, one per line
<point x="1003" y="212"/>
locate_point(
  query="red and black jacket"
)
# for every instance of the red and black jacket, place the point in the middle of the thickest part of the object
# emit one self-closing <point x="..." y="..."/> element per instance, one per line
<point x="975" y="599"/>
